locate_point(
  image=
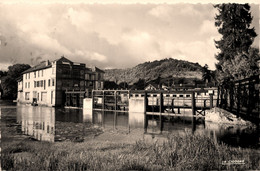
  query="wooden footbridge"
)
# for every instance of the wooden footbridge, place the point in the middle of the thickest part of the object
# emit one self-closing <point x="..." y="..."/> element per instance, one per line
<point x="156" y="102"/>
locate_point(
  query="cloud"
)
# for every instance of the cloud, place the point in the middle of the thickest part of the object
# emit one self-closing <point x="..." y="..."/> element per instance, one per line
<point x="79" y="17"/>
<point x="115" y="36"/>
<point x="91" y="55"/>
<point x="161" y="11"/>
<point x="48" y="43"/>
<point x="196" y="51"/>
<point x="208" y="27"/>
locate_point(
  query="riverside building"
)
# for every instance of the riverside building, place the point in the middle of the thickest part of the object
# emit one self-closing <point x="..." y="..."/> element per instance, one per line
<point x="58" y="83"/>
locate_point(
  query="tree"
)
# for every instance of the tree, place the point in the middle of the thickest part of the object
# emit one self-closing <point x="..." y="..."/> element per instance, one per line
<point x="206" y="75"/>
<point x="9" y="83"/>
<point x="139" y="85"/>
<point x="123" y="85"/>
<point x="16" y="70"/>
<point x="3" y="73"/>
<point x="233" y="22"/>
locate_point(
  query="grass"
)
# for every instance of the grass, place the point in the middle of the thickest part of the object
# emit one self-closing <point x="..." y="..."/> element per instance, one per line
<point x="188" y="152"/>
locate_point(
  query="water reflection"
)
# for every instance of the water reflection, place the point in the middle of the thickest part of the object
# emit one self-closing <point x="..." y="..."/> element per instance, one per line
<point x="59" y="124"/>
<point x="38" y="122"/>
<point x="50" y="124"/>
<point x="164" y="125"/>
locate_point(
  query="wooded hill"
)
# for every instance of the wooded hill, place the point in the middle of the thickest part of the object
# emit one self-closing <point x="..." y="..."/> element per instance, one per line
<point x="164" y="69"/>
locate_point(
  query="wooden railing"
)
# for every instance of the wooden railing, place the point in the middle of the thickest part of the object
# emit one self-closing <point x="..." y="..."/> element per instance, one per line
<point x="241" y="97"/>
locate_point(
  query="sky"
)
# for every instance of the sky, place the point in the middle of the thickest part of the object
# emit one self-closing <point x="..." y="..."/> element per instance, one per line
<point x="109" y="34"/>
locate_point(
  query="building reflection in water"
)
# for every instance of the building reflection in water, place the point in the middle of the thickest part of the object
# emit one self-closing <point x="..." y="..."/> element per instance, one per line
<point x="46" y="123"/>
<point x="38" y="122"/>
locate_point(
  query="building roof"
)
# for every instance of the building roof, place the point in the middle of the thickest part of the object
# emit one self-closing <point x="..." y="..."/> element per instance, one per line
<point x="98" y="70"/>
<point x="20" y="78"/>
<point x="42" y="65"/>
<point x="153" y="85"/>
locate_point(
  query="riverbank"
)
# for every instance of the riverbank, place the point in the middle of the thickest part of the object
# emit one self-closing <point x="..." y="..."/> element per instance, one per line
<point x="178" y="152"/>
<point x="187" y="153"/>
<point x="115" y="150"/>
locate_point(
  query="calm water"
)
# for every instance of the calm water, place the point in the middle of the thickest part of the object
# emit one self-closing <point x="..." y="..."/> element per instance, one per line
<point x="59" y="124"/>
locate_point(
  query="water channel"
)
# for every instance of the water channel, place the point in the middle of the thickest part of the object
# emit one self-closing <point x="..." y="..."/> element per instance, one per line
<point x="62" y="124"/>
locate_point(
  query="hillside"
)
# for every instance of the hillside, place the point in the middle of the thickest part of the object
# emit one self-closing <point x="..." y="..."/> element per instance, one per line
<point x="166" y="68"/>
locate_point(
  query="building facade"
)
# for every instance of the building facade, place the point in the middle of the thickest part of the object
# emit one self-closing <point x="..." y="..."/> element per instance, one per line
<point x="57" y="83"/>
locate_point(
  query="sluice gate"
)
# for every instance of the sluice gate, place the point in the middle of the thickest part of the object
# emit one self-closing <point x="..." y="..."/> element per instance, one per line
<point x="154" y="102"/>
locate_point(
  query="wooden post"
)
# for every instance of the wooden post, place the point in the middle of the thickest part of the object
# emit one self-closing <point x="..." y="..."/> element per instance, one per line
<point x="218" y="97"/>
<point x="115" y="96"/>
<point x="161" y="111"/>
<point x="193" y="105"/>
<point x="103" y="108"/>
<point x="161" y="103"/>
<point x="211" y="101"/>
<point x="249" y="103"/>
<point x="173" y="106"/>
<point x="115" y="119"/>
<point x="103" y="100"/>
<point x="92" y="94"/>
<point x="145" y="108"/>
<point x="238" y="99"/>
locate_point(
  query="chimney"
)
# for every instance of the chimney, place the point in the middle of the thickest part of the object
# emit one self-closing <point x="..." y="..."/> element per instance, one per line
<point x="47" y="63"/>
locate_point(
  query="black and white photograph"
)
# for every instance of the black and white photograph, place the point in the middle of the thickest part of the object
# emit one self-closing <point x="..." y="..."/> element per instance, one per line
<point x="129" y="85"/>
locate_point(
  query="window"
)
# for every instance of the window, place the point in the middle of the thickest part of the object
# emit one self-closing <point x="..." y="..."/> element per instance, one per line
<point x="38" y="73"/>
<point x="29" y="85"/>
<point x="25" y="76"/>
<point x="181" y="95"/>
<point x="188" y="95"/>
<point x="49" y="83"/>
<point x="27" y="96"/>
<point x="42" y="73"/>
<point x="34" y="84"/>
<point x="29" y="75"/>
<point x="66" y="70"/>
<point x="174" y="95"/>
<point x="167" y="95"/>
<point x="25" y="85"/>
<point x="52" y="82"/>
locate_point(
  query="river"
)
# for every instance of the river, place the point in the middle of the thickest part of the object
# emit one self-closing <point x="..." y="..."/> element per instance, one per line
<point x="63" y="124"/>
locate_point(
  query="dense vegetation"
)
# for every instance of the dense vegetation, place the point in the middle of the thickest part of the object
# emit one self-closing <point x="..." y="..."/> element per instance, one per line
<point x="188" y="152"/>
<point x="148" y="71"/>
<point x="8" y="86"/>
<point x="237" y="59"/>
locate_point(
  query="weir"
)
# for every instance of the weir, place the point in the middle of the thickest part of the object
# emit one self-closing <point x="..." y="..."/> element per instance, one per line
<point x="156" y="103"/>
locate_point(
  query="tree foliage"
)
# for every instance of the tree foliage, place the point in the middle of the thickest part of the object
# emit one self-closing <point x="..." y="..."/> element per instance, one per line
<point x="9" y="82"/>
<point x="233" y="22"/>
<point x="208" y="76"/>
<point x="151" y="70"/>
